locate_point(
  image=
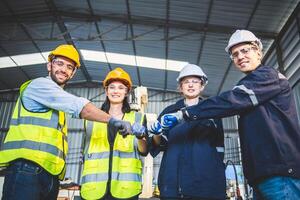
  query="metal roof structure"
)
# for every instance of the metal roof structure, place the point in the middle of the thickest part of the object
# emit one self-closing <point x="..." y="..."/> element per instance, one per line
<point x="144" y="37"/>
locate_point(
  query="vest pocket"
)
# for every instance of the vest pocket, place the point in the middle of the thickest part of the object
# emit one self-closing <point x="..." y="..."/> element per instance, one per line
<point x="124" y="144"/>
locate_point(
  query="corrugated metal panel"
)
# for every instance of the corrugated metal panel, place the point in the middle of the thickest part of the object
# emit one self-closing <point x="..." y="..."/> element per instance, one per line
<point x="25" y="7"/>
<point x="7" y="104"/>
<point x="272" y="60"/>
<point x="232" y="149"/>
<point x="234" y="12"/>
<point x="189" y="11"/>
<point x="75" y="155"/>
<point x="271" y="17"/>
<point x="290" y="44"/>
<point x="196" y="30"/>
<point x="184" y="44"/>
<point x="6" y="110"/>
<point x="156" y="103"/>
<point x="144" y="8"/>
<point x="290" y="49"/>
<point x="18" y="78"/>
<point x="231" y="140"/>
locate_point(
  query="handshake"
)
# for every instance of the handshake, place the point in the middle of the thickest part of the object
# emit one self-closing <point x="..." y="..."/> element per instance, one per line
<point x="125" y="128"/>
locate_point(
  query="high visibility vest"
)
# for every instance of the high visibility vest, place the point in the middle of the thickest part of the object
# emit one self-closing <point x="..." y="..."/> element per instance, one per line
<point x="121" y="164"/>
<point x="38" y="137"/>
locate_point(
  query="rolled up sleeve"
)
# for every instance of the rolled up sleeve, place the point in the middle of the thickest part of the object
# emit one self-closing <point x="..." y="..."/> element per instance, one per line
<point x="43" y="94"/>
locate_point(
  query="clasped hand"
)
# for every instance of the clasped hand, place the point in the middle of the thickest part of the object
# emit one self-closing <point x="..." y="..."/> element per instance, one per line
<point x="171" y="119"/>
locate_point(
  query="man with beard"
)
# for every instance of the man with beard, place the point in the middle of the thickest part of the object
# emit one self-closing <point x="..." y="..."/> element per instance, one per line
<point x="35" y="147"/>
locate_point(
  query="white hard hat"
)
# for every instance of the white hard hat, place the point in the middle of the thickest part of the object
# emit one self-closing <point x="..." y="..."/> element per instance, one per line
<point x="241" y="36"/>
<point x="192" y="70"/>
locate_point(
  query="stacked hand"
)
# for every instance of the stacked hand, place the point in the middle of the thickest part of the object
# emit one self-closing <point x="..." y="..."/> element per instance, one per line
<point x="124" y="127"/>
<point x="156" y="128"/>
<point x="171" y="119"/>
<point x="138" y="130"/>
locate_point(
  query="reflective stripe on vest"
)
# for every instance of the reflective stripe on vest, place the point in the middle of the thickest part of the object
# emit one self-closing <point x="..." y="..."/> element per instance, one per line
<point x="125" y="180"/>
<point x="33" y="146"/>
<point x="115" y="175"/>
<point x="38" y="137"/>
<point x="93" y="156"/>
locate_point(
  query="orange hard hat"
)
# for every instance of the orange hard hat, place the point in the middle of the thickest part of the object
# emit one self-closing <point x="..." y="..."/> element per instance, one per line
<point x="66" y="50"/>
<point x="118" y="74"/>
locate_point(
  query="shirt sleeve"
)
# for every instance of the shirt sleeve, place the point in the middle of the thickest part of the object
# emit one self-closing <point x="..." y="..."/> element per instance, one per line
<point x="253" y="90"/>
<point x="43" y="93"/>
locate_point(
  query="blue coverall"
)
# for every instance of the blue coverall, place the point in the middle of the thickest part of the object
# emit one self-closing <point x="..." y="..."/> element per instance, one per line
<point x="268" y="124"/>
<point x="192" y="166"/>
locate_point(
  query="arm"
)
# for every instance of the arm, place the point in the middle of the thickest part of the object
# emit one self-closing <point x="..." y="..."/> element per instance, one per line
<point x="156" y="140"/>
<point x="253" y="90"/>
<point x="43" y="94"/>
<point x="142" y="146"/>
<point x="92" y="113"/>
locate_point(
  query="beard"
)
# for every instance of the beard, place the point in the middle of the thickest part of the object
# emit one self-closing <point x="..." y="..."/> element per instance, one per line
<point x="59" y="82"/>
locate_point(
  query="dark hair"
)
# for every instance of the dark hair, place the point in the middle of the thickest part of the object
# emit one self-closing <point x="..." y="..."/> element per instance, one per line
<point x="125" y="108"/>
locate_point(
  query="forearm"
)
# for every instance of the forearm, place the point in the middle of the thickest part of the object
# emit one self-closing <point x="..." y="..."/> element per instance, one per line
<point x="156" y="139"/>
<point x="226" y="104"/>
<point x="92" y="113"/>
<point x="142" y="146"/>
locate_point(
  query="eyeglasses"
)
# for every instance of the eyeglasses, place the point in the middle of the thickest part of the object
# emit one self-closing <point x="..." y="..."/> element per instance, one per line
<point x="193" y="81"/>
<point x="120" y="87"/>
<point x="243" y="51"/>
<point x="61" y="63"/>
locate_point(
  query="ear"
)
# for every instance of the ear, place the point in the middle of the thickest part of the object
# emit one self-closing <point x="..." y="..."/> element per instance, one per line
<point x="259" y="54"/>
<point x="73" y="73"/>
<point x="49" y="67"/>
<point x="179" y="87"/>
<point x="202" y="88"/>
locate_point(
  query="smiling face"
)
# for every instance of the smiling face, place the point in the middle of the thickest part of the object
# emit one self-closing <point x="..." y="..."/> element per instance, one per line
<point x="191" y="87"/>
<point x="246" y="57"/>
<point x="116" y="92"/>
<point x="61" y="70"/>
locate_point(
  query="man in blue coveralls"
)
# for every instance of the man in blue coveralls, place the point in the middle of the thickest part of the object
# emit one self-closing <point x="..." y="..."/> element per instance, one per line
<point x="268" y="124"/>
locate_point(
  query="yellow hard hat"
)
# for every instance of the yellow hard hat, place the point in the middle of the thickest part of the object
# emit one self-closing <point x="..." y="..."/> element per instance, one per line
<point x="66" y="50"/>
<point x="118" y="74"/>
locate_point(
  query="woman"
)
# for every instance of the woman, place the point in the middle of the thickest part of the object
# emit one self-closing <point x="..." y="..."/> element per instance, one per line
<point x="112" y="166"/>
<point x="192" y="165"/>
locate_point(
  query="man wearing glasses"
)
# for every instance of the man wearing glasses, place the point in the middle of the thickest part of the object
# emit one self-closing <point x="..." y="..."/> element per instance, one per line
<point x="35" y="147"/>
<point x="268" y="123"/>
